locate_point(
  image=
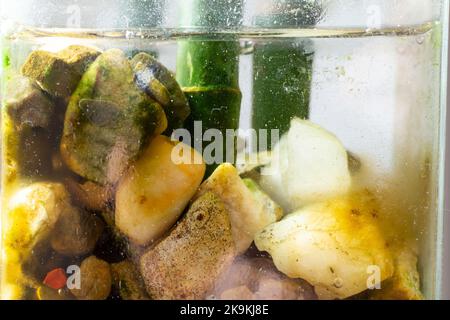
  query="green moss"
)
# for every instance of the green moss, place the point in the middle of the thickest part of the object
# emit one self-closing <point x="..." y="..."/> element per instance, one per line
<point x="6" y="63"/>
<point x="159" y="83"/>
<point x="6" y="60"/>
<point x="251" y="185"/>
<point x="108" y="121"/>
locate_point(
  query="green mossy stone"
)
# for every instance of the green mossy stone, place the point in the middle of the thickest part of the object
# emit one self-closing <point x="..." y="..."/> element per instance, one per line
<point x="27" y="105"/>
<point x="108" y="121"/>
<point x="59" y="73"/>
<point x="79" y="57"/>
<point x="157" y="81"/>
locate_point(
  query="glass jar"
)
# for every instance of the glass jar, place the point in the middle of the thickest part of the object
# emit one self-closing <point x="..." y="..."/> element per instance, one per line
<point x="223" y="149"/>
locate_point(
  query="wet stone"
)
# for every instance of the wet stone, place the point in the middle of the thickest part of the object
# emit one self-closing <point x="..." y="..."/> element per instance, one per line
<point x="160" y="84"/>
<point x="108" y="120"/>
<point x="76" y="232"/>
<point x="176" y="267"/>
<point x="27" y="105"/>
<point x="59" y="73"/>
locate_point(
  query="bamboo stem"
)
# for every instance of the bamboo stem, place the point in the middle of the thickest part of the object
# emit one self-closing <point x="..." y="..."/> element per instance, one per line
<point x="283" y="69"/>
<point x="208" y="69"/>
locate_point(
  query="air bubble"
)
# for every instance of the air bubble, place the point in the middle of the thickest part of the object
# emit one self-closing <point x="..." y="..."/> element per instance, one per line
<point x="338" y="283"/>
<point x="420" y="39"/>
<point x="247" y="47"/>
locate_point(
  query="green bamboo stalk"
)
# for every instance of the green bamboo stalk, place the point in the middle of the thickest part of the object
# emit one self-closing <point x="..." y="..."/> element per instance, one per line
<point x="283" y="69"/>
<point x="208" y="69"/>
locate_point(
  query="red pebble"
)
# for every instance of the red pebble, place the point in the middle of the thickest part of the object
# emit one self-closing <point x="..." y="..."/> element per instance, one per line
<point x="56" y="279"/>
